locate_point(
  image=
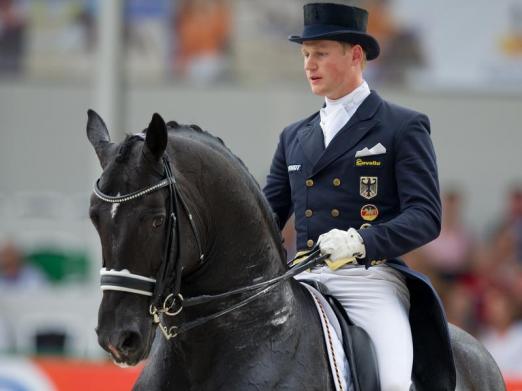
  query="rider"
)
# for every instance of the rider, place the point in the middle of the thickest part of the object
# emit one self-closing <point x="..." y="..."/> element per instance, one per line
<point x="361" y="177"/>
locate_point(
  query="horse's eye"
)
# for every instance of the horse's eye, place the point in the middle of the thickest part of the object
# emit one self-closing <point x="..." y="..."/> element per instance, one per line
<point x="158" y="221"/>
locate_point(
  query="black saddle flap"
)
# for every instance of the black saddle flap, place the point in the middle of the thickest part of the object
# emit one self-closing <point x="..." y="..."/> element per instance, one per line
<point x="357" y="345"/>
<point x="359" y="349"/>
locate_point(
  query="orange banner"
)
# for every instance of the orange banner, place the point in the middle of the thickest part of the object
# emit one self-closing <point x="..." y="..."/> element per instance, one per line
<point x="69" y="375"/>
<point x="514" y="384"/>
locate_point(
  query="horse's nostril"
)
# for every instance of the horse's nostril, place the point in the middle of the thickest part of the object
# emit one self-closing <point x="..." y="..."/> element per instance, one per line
<point x="130" y="341"/>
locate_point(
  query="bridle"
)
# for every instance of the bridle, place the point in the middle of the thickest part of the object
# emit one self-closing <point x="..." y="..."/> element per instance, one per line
<point x="171" y="268"/>
<point x="171" y="304"/>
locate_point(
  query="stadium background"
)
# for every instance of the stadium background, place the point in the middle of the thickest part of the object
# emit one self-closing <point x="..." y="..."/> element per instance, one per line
<point x="227" y="66"/>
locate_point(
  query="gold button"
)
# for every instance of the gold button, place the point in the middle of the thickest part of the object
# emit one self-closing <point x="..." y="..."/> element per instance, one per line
<point x="309" y="182"/>
<point x="335" y="212"/>
<point x="310" y="243"/>
<point x="336" y="182"/>
<point x="309" y="213"/>
<point x="365" y="225"/>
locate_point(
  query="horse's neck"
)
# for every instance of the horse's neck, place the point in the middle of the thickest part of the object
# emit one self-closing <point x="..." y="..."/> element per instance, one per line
<point x="231" y="211"/>
<point x="240" y="244"/>
<point x="226" y="352"/>
<point x="275" y="318"/>
<point x="242" y="248"/>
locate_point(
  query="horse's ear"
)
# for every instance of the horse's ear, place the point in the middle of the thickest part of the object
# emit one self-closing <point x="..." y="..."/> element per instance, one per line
<point x="156" y="138"/>
<point x="98" y="136"/>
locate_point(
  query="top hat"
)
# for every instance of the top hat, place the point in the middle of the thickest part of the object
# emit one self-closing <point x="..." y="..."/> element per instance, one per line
<point x="337" y="22"/>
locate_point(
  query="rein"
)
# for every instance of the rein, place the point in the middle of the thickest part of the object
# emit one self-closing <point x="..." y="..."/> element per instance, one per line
<point x="170" y="269"/>
<point x="313" y="258"/>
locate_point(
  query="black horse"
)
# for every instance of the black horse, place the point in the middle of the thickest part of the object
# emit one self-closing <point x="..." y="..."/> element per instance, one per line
<point x="178" y="216"/>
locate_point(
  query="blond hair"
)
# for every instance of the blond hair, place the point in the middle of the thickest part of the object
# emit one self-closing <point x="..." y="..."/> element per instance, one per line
<point x="346" y="45"/>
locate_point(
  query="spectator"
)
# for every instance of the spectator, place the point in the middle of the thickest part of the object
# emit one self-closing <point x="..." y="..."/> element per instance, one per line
<point x="502" y="334"/>
<point x="498" y="262"/>
<point x="15" y="273"/>
<point x="401" y="49"/>
<point x="203" y="33"/>
<point x="514" y="217"/>
<point x="461" y="304"/>
<point x="12" y="37"/>
<point x="450" y="254"/>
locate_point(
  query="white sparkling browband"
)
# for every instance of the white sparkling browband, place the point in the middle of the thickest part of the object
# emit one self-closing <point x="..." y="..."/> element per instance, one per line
<point x="132" y="196"/>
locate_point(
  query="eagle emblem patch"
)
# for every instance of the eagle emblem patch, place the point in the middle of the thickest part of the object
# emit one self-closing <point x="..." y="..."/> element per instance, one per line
<point x="368" y="187"/>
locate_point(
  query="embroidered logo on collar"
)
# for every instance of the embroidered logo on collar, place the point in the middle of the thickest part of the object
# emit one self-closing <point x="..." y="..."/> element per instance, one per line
<point x="368" y="187"/>
<point x="369" y="212"/>
<point x="294" y="167"/>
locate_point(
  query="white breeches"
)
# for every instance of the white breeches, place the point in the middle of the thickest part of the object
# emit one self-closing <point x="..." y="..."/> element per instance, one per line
<point x="377" y="300"/>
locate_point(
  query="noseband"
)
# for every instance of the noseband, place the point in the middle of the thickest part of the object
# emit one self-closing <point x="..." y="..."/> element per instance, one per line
<point x="170" y="304"/>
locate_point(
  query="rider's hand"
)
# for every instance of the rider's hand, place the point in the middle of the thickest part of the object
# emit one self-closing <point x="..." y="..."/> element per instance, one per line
<point x="342" y="244"/>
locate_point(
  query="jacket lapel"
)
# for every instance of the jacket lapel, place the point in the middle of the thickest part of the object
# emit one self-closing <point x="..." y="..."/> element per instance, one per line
<point x="357" y="127"/>
<point x="312" y="140"/>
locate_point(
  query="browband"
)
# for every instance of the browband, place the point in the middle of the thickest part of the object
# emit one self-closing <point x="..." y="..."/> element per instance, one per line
<point x="131" y="196"/>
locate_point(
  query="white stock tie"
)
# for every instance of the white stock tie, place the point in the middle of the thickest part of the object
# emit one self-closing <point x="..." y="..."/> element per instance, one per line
<point x="333" y="118"/>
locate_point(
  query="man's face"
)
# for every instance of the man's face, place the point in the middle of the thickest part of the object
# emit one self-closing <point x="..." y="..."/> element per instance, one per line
<point x="331" y="68"/>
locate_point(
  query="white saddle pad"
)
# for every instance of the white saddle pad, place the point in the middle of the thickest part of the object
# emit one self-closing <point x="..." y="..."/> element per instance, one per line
<point x="333" y="339"/>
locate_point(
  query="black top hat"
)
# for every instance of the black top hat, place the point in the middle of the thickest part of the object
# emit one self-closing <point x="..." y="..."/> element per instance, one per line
<point x="337" y="22"/>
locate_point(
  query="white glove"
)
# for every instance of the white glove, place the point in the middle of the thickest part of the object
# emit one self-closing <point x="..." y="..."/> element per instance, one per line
<point x="342" y="244"/>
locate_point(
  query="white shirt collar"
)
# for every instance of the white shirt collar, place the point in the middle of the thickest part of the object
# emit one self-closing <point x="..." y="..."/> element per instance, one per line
<point x="353" y="99"/>
<point x="338" y="112"/>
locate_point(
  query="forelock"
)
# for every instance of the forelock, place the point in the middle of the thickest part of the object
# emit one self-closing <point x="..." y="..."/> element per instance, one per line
<point x="125" y="148"/>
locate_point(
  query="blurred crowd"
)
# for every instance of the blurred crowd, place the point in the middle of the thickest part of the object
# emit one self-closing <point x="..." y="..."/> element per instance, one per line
<point x="186" y="39"/>
<point x="207" y="41"/>
<point x="199" y="41"/>
<point x="480" y="281"/>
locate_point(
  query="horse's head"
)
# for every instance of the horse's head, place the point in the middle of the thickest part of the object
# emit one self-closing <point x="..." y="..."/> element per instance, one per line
<point x="156" y="219"/>
<point x="133" y="212"/>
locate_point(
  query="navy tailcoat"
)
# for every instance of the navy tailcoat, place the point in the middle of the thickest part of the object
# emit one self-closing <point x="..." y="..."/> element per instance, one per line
<point x="378" y="175"/>
<point x="394" y="193"/>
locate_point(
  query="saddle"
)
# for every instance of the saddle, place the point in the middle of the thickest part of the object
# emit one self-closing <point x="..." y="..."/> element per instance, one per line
<point x="433" y="365"/>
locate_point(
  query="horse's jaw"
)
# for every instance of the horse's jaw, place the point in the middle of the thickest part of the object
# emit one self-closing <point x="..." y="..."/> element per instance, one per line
<point x="117" y="359"/>
<point x="124" y="362"/>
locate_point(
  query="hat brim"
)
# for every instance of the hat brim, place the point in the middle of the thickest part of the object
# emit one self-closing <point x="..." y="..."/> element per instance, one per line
<point x="368" y="43"/>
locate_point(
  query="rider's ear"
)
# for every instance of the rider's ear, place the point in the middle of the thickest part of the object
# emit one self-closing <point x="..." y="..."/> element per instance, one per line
<point x="98" y="136"/>
<point x="156" y="138"/>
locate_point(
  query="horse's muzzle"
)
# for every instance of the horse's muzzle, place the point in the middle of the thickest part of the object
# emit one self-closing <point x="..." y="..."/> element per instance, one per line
<point x="127" y="346"/>
<point x="125" y="329"/>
